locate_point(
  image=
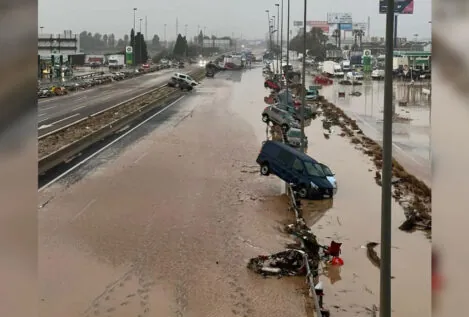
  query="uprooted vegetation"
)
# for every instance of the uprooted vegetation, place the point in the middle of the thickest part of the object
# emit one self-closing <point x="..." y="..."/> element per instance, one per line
<point x="411" y="193"/>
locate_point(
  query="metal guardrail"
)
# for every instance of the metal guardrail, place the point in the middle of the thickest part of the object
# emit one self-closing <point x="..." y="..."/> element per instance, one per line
<point x="71" y="150"/>
<point x="309" y="273"/>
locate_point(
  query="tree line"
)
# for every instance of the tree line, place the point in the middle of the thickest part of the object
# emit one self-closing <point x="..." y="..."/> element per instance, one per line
<point x="317" y="42"/>
<point x="98" y="42"/>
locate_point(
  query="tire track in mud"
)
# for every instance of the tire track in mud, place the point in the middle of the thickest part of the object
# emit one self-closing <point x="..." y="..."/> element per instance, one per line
<point x="120" y="294"/>
<point x="240" y="301"/>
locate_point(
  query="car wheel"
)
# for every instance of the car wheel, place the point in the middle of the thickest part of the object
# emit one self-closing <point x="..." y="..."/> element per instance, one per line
<point x="265" y="170"/>
<point x="303" y="192"/>
<point x="265" y="118"/>
<point x="285" y="127"/>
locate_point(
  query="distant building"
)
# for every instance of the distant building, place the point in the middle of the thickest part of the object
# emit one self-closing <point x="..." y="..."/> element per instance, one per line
<point x="223" y="44"/>
<point x="58" y="44"/>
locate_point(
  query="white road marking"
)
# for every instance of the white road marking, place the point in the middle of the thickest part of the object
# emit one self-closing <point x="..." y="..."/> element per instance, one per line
<point x="80" y="107"/>
<point x="44" y="126"/>
<point x="141" y="156"/>
<point x="88" y="205"/>
<point x="47" y="108"/>
<point x="108" y="145"/>
<point x="66" y="118"/>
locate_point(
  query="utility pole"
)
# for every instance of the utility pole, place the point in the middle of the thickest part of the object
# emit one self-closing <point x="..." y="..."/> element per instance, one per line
<point x="281" y="40"/>
<point x="165" y="42"/>
<point x="177" y="28"/>
<point x="140" y="42"/>
<point x="386" y="187"/>
<point x="288" y="44"/>
<point x="303" y="84"/>
<point x="133" y="44"/>
<point x="185" y="31"/>
<point x="146" y="28"/>
<point x="278" y="34"/>
<point x="270" y="31"/>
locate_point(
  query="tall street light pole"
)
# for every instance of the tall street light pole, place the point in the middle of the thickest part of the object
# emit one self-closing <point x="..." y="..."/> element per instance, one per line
<point x="278" y="34"/>
<point x="303" y="86"/>
<point x="133" y="44"/>
<point x="165" y="43"/>
<point x="270" y="31"/>
<point x="386" y="187"/>
<point x="281" y="39"/>
<point x="140" y="42"/>
<point x="288" y="45"/>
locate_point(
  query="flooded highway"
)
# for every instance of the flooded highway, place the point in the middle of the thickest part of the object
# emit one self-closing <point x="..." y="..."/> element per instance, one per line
<point x="163" y="222"/>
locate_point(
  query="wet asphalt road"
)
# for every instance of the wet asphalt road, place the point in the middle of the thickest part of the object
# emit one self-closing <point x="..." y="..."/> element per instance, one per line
<point x="163" y="222"/>
<point x="56" y="112"/>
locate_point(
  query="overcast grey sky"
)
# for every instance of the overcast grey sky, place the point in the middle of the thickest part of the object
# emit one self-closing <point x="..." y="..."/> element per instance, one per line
<point x="221" y="17"/>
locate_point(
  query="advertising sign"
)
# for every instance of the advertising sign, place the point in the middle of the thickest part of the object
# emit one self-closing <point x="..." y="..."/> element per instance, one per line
<point x="400" y="6"/>
<point x="363" y="26"/>
<point x="128" y="54"/>
<point x="323" y="25"/>
<point x="346" y="27"/>
<point x="335" y="18"/>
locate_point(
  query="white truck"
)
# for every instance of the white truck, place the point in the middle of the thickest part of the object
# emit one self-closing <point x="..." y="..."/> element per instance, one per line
<point x="116" y="62"/>
<point x="332" y="69"/>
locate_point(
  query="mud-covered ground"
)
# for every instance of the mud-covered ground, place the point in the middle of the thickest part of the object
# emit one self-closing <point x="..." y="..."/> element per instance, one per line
<point x="166" y="225"/>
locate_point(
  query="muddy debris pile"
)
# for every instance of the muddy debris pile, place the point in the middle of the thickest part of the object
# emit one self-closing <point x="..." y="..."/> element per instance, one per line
<point x="290" y="262"/>
<point x="411" y="193"/>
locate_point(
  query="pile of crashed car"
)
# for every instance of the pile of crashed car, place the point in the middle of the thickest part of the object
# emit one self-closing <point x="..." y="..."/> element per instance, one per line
<point x="59" y="88"/>
<point x="284" y="156"/>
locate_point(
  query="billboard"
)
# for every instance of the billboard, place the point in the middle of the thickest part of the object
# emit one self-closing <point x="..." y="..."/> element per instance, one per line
<point x="346" y="27"/>
<point x="363" y="26"/>
<point x="400" y="6"/>
<point x="335" y="18"/>
<point x="323" y="25"/>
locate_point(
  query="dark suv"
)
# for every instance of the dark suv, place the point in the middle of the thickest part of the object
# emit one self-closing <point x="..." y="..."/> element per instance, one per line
<point x="309" y="177"/>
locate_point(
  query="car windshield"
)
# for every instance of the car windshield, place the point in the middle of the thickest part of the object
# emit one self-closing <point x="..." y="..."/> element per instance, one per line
<point x="189" y="78"/>
<point x="327" y="170"/>
<point x="314" y="169"/>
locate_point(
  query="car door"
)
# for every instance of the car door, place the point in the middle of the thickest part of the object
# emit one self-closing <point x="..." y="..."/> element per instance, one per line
<point x="285" y="160"/>
<point x="298" y="170"/>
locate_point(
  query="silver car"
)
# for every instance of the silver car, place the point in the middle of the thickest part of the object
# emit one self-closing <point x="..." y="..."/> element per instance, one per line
<point x="294" y="138"/>
<point x="279" y="117"/>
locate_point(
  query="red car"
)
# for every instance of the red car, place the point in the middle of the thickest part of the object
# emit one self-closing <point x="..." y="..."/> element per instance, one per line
<point x="321" y="80"/>
<point x="272" y="85"/>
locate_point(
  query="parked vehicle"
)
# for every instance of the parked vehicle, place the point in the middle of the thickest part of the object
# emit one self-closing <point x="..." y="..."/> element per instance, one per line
<point x="354" y="76"/>
<point x="269" y="83"/>
<point x="306" y="175"/>
<point x="322" y="80"/>
<point x="116" y="62"/>
<point x="377" y="74"/>
<point x="184" y="77"/>
<point x="286" y="102"/>
<point x="312" y="93"/>
<point x="279" y="117"/>
<point x="293" y="137"/>
<point x="181" y="65"/>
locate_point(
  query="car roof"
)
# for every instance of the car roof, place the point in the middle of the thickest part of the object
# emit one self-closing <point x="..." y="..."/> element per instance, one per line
<point x="293" y="151"/>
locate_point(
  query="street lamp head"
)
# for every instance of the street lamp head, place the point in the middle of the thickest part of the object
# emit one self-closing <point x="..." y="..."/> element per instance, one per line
<point x="135" y="9"/>
<point x="277" y="5"/>
<point x="267" y="11"/>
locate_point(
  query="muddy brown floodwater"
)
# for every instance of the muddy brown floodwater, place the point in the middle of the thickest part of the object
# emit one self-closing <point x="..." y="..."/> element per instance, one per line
<point x="167" y="227"/>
